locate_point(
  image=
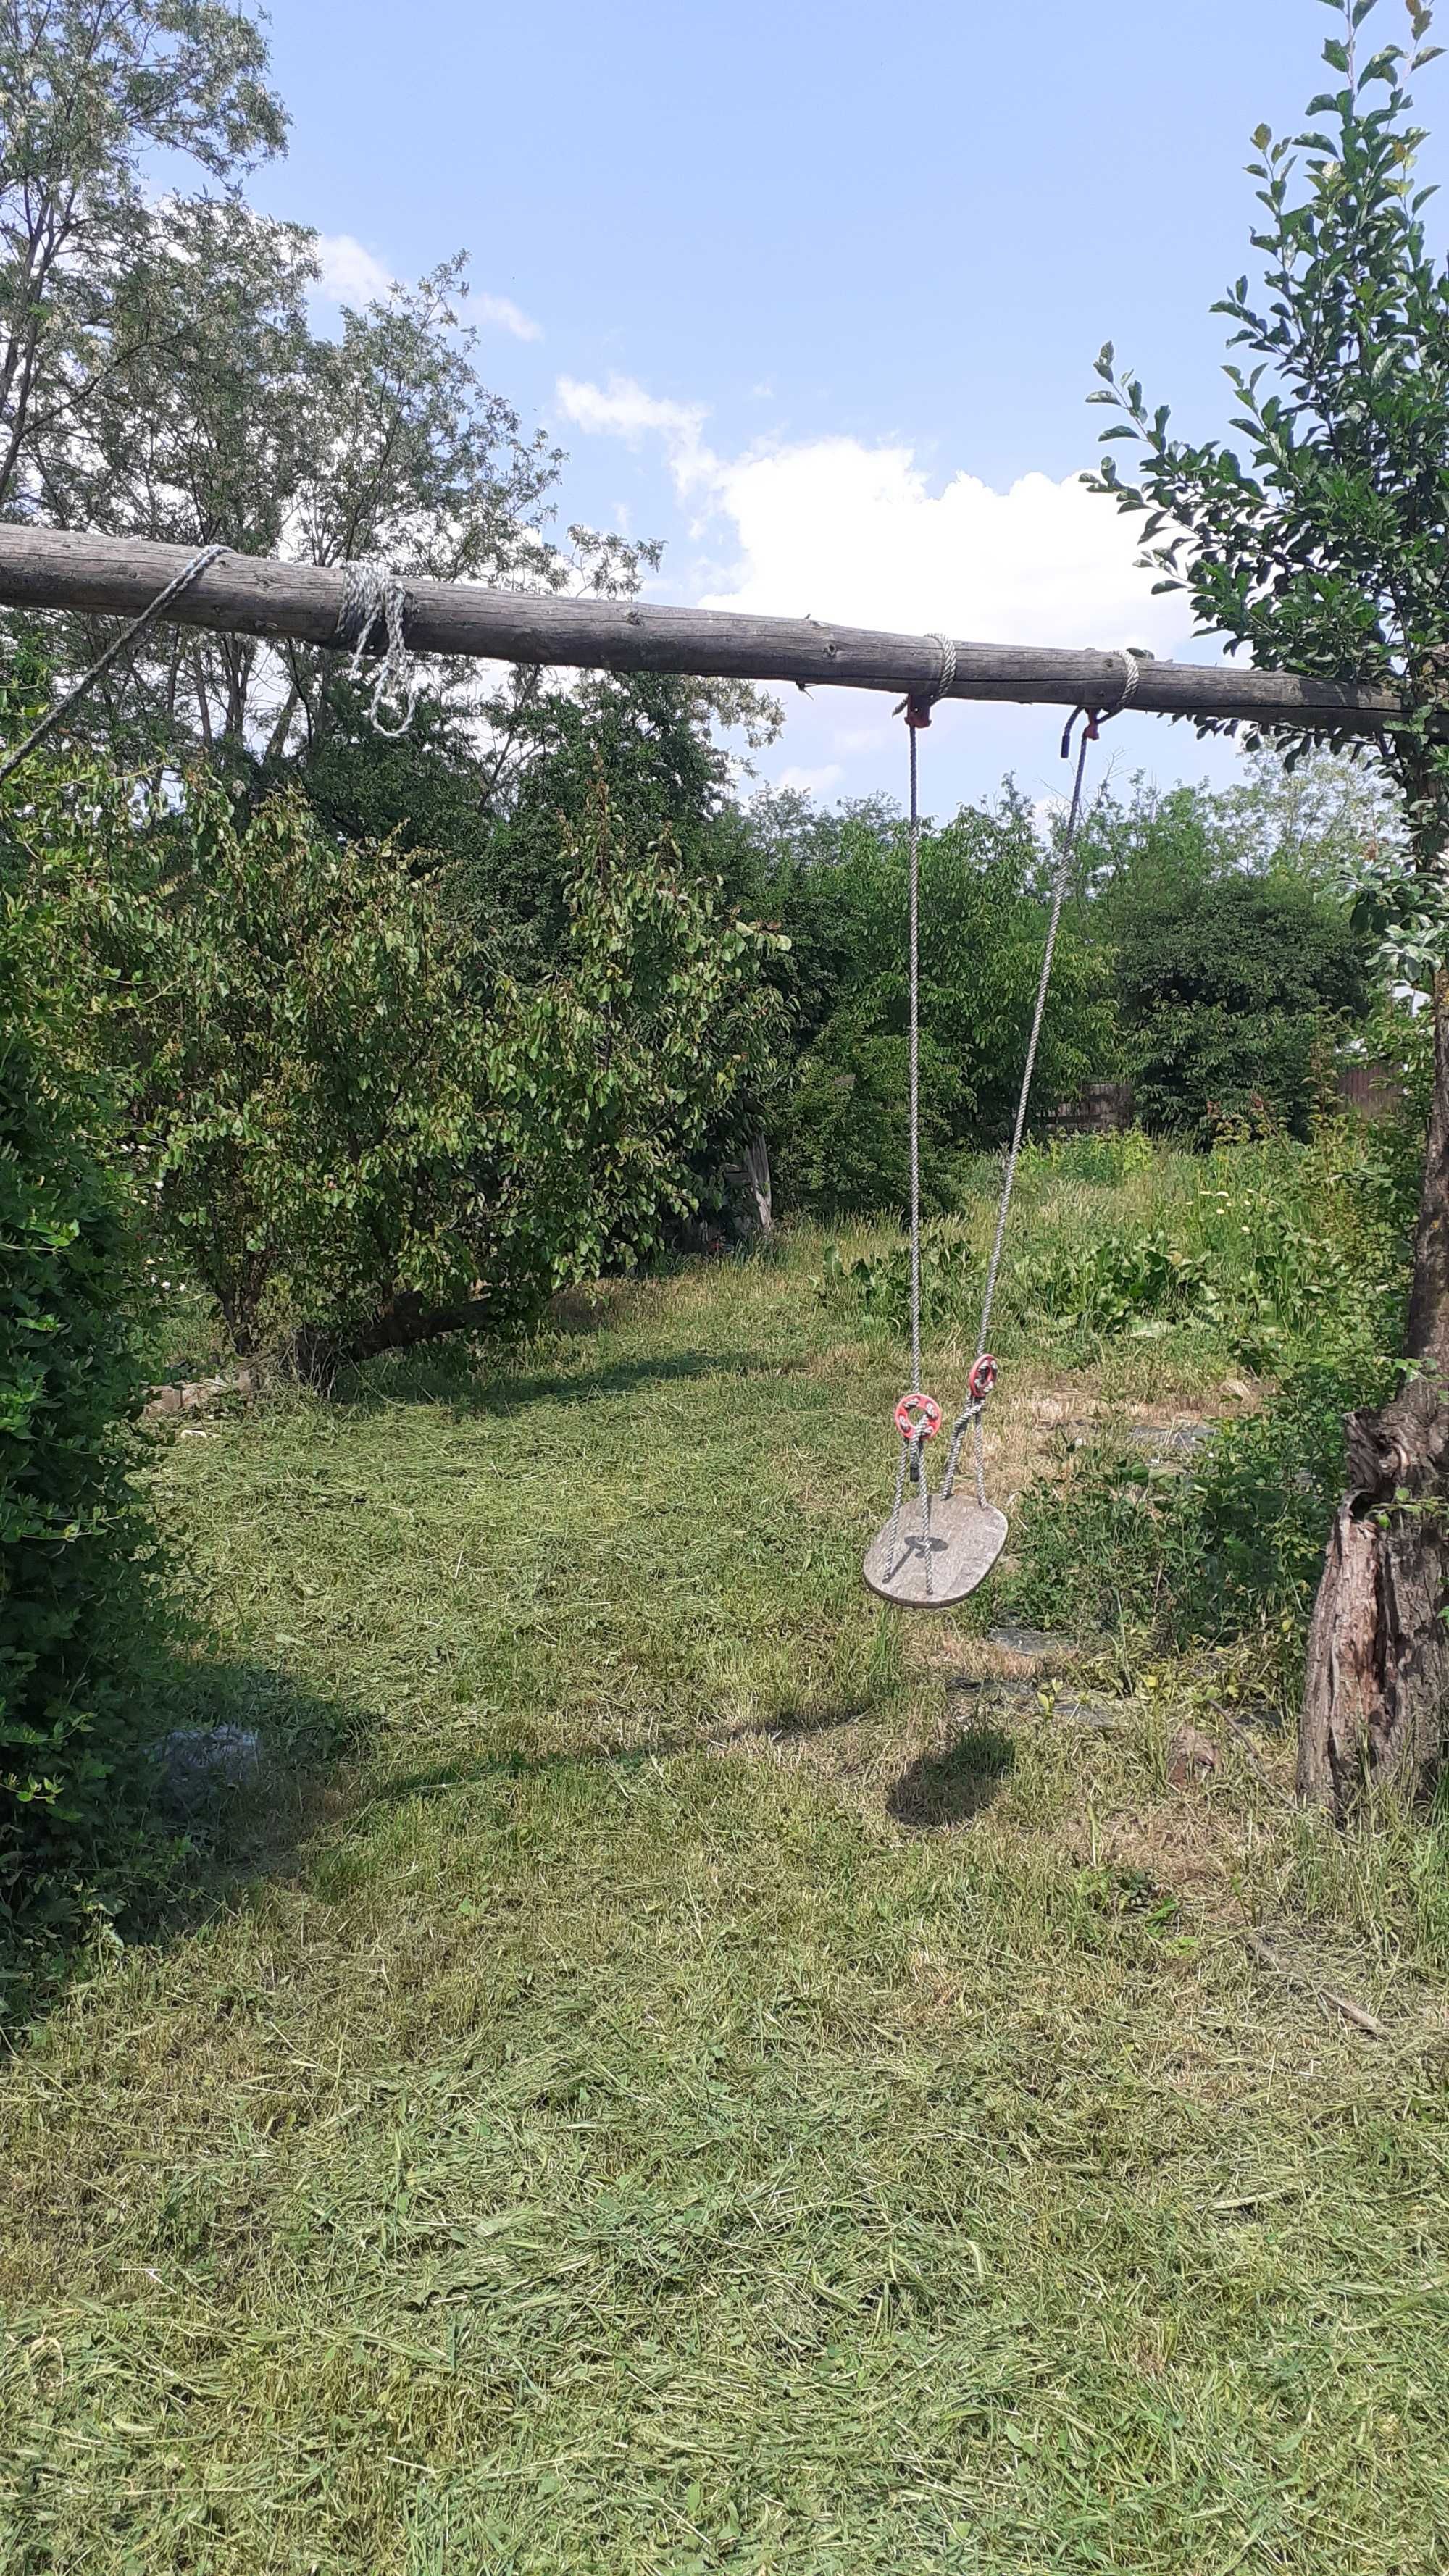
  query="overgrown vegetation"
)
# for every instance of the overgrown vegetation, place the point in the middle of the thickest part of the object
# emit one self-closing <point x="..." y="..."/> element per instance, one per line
<point x="1321" y="548"/>
<point x="79" y="1642"/>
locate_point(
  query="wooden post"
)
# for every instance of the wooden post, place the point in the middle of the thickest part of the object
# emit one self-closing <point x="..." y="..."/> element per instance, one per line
<point x="248" y="595"/>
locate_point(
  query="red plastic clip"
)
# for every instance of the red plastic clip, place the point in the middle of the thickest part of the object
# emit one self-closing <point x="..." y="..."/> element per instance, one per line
<point x="918" y="1413"/>
<point x="983" y="1378"/>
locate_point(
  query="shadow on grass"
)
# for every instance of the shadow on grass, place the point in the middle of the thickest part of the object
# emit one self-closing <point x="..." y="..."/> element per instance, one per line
<point x="455" y="1375"/>
<point x="252" y="1771"/>
<point x="483" y="1769"/>
<point x="950" y="1788"/>
<point x="229" y="1796"/>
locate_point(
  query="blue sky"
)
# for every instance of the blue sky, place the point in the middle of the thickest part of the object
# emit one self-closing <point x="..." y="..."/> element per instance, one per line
<point x="813" y="292"/>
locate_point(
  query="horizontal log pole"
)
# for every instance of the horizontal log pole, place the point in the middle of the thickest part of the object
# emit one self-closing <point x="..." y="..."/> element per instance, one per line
<point x="251" y="595"/>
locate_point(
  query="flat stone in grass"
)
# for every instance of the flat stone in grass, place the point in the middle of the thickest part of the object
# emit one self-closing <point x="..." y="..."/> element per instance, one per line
<point x="967" y="1696"/>
<point x="1173" y="1440"/>
<point x="1099" y="1714"/>
<point x="970" y="1700"/>
<point x="197" y="1762"/>
<point x="1034" y="1642"/>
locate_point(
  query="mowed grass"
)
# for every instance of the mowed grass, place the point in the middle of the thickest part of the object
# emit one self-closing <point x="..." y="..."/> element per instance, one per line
<point x="677" y="2072"/>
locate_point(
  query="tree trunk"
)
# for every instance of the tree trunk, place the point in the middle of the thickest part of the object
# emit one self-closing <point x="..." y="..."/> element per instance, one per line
<point x="318" y="1351"/>
<point x="1376" y="1691"/>
<point x="746" y="1185"/>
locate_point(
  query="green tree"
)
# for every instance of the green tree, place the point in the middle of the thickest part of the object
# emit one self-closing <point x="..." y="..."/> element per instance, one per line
<point x="1325" y="553"/>
<point x="132" y="401"/>
<point x="90" y="88"/>
<point x="353" y="1139"/>
<point x="1233" y="991"/>
<point x="841" y="1136"/>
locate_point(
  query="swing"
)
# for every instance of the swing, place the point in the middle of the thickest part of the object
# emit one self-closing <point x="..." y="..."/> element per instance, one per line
<point x="936" y="1549"/>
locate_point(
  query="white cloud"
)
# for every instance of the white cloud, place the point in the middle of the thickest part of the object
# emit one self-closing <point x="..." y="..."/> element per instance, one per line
<point x="504" y="315"/>
<point x="812" y="782"/>
<point x="624" y="410"/>
<point x="832" y="528"/>
<point x="350" y="274"/>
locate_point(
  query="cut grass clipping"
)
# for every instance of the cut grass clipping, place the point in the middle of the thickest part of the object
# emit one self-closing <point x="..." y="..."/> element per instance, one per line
<point x="679" y="2069"/>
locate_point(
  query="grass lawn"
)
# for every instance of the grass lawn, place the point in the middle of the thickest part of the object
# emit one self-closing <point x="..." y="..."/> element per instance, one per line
<point x="682" y="2069"/>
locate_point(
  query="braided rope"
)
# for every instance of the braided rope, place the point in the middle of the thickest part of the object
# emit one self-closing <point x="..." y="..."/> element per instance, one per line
<point x="973" y="1413"/>
<point x="945" y="677"/>
<point x="163" y="600"/>
<point x="914" y="1006"/>
<point x="375" y="596"/>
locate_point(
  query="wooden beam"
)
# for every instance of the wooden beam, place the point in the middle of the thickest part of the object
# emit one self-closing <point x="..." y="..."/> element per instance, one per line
<point x="249" y="595"/>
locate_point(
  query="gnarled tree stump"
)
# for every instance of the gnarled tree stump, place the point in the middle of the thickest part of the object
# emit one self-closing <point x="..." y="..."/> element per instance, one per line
<point x="1376" y="1689"/>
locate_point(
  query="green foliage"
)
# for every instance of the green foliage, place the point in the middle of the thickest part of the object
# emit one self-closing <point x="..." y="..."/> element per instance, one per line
<point x="1232" y="993"/>
<point x="951" y="1276"/>
<point x="840" y="1141"/>
<point x="91" y="94"/>
<point x="76" y="1548"/>
<point x="1279" y="1256"/>
<point x="1323" y="822"/>
<point x="350" y="1139"/>
<point x="1103" y="1161"/>
<point x="1229" y="1550"/>
<point x="1270" y="1255"/>
<point x="651" y="736"/>
<point x="1115" y="1282"/>
<point x="841" y="1145"/>
<point x="1288" y="1261"/>
<point x="1324" y="552"/>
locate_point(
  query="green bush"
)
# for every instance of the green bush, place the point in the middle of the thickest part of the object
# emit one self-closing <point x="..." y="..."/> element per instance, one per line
<point x="76" y="1547"/>
<point x="842" y="1138"/>
<point x="1230" y="1549"/>
<point x="357" y="1135"/>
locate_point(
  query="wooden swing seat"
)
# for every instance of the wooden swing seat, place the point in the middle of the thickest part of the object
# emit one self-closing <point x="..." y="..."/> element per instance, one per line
<point x="966" y="1541"/>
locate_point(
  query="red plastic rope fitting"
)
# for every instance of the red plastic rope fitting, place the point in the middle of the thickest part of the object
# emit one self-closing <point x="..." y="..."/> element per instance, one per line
<point x="983" y="1378"/>
<point x="918" y="1413"/>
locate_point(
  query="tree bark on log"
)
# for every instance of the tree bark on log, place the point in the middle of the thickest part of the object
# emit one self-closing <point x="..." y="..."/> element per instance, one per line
<point x="1376" y="1688"/>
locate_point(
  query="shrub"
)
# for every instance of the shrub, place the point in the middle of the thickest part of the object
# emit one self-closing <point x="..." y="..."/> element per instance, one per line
<point x="842" y="1139"/>
<point x="355" y="1138"/>
<point x="1231" y="1549"/>
<point x="76" y="1547"/>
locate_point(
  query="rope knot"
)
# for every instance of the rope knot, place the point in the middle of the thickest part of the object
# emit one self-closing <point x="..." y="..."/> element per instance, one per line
<point x="374" y="597"/>
<point x="917" y="707"/>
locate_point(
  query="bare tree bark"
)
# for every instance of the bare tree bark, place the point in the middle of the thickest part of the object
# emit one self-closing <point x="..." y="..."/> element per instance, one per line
<point x="1376" y="1689"/>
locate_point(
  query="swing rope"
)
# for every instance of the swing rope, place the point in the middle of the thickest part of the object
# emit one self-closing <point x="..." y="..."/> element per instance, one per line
<point x="917" y="1418"/>
<point x="58" y="714"/>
